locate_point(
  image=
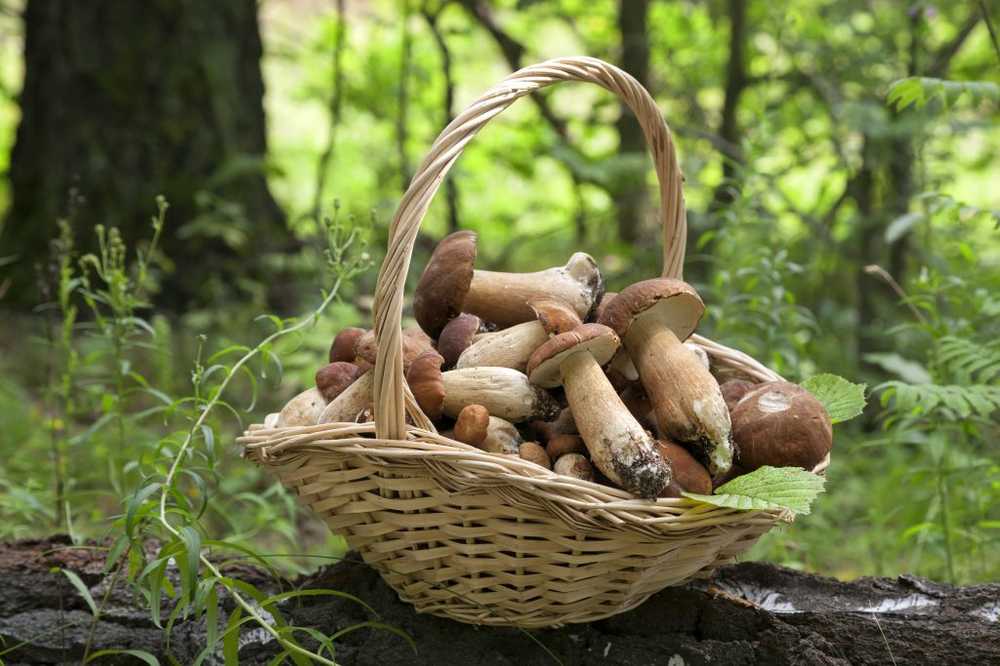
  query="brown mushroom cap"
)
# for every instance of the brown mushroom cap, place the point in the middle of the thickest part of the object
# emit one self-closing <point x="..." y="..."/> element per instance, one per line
<point x="333" y="378"/>
<point x="343" y="345"/>
<point x="783" y="425"/>
<point x="689" y="474"/>
<point x="424" y="378"/>
<point x="533" y="452"/>
<point x="560" y="445"/>
<point x="574" y="465"/>
<point x="674" y="302"/>
<point x="555" y="315"/>
<point x="543" y="366"/>
<point x="415" y="342"/>
<point x="456" y="336"/>
<point x="472" y="424"/>
<point x="445" y="282"/>
<point x="734" y="390"/>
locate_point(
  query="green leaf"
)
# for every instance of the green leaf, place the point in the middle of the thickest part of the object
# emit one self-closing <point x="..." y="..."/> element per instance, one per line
<point x="842" y="399"/>
<point x="141" y="655"/>
<point x="82" y="589"/>
<point x="767" y="488"/>
<point x="192" y="547"/>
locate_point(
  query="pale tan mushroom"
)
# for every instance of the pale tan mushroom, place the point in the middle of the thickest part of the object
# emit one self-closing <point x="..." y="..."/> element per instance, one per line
<point x="302" y="410"/>
<point x="574" y="465"/>
<point x="534" y="452"/>
<point x="476" y="427"/>
<point x="619" y="446"/>
<point x="653" y="318"/>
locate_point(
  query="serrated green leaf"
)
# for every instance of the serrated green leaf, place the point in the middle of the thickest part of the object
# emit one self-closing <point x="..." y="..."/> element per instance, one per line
<point x="842" y="399"/>
<point x="767" y="488"/>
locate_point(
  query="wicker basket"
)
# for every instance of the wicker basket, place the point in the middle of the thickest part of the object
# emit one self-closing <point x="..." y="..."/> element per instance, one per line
<point x="490" y="539"/>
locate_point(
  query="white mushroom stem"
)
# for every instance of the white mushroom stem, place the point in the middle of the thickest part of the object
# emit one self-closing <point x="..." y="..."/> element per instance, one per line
<point x="507" y="348"/>
<point x="301" y="410"/>
<point x="619" y="446"/>
<point x="623" y="364"/>
<point x="686" y="399"/>
<point x="501" y="437"/>
<point x="699" y="352"/>
<point x="504" y="392"/>
<point x="502" y="298"/>
<point x="353" y="400"/>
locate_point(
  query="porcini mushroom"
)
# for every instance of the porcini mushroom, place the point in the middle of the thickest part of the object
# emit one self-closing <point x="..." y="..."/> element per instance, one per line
<point x="333" y="378"/>
<point x="560" y="445"/>
<point x="781" y="424"/>
<point x="511" y="347"/>
<point x="456" y="336"/>
<point x="504" y="392"/>
<point x="415" y="342"/>
<point x="351" y="402"/>
<point x="301" y="410"/>
<point x="534" y="452"/>
<point x="343" y="345"/>
<point x="563" y="424"/>
<point x="654" y="317"/>
<point x="450" y="285"/>
<point x="618" y="445"/>
<point x="575" y="465"/>
<point x="689" y="474"/>
<point x="734" y="390"/>
<point x="476" y="427"/>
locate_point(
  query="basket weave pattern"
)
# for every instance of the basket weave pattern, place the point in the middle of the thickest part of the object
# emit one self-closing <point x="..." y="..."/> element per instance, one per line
<point x="490" y="539"/>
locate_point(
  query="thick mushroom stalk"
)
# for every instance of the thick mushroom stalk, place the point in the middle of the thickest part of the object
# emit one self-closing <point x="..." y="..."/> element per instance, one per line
<point x="450" y="285"/>
<point x="504" y="392"/>
<point x="654" y="317"/>
<point x="619" y="446"/>
<point x="512" y="347"/>
<point x="350" y="403"/>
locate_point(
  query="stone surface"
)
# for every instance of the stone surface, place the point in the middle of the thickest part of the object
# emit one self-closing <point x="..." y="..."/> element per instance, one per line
<point x="750" y="613"/>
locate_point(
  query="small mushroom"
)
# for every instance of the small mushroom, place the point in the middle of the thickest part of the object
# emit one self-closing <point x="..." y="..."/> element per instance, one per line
<point x="560" y="445"/>
<point x="534" y="452"/>
<point x="302" y="410"/>
<point x="351" y="403"/>
<point x="511" y="347"/>
<point x="333" y="378"/>
<point x="415" y="342"/>
<point x="783" y="425"/>
<point x="734" y="390"/>
<point x="456" y="336"/>
<point x="343" y="345"/>
<point x="476" y="427"/>
<point x="618" y="445"/>
<point x="563" y="424"/>
<point x="504" y="392"/>
<point x="654" y="317"/>
<point x="689" y="474"/>
<point x="574" y="465"/>
<point x="450" y="285"/>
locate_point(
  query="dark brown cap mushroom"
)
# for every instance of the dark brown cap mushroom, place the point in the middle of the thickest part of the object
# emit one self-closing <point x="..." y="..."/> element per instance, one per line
<point x="563" y="424"/>
<point x="734" y="390"/>
<point x="560" y="445"/>
<point x="783" y="425"/>
<point x="456" y="336"/>
<point x="424" y="378"/>
<point x="343" y="345"/>
<point x="332" y="379"/>
<point x="654" y="317"/>
<point x="450" y="285"/>
<point x="689" y="474"/>
<point x="415" y="342"/>
<point x="618" y="444"/>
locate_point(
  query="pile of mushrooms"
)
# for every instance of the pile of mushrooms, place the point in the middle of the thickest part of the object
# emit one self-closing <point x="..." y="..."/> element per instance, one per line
<point x="547" y="367"/>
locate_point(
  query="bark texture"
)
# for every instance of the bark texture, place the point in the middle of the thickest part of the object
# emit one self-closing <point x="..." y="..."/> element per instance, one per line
<point x="750" y="613"/>
<point x="126" y="100"/>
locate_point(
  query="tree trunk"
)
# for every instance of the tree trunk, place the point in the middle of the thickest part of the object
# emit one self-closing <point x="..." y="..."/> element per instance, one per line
<point x="630" y="198"/>
<point x="126" y="100"/>
<point x="751" y="613"/>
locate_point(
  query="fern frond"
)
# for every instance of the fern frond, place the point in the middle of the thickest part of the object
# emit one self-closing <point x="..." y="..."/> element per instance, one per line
<point x="969" y="362"/>
<point x="919" y="90"/>
<point x="950" y="402"/>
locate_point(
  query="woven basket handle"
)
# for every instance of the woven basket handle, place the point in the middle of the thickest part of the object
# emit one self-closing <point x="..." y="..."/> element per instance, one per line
<point x="390" y="392"/>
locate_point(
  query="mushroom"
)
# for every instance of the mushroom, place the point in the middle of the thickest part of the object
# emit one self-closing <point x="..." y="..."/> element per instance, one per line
<point x="783" y="425"/>
<point x="449" y="285"/>
<point x="415" y="342"/>
<point x="564" y="424"/>
<point x="689" y="474"/>
<point x="699" y="352"/>
<point x="511" y="347"/>
<point x="271" y="420"/>
<point x="574" y="465"/>
<point x="476" y="427"/>
<point x="350" y="403"/>
<point x="534" y="452"/>
<point x="332" y="379"/>
<point x="654" y="317"/>
<point x="621" y="364"/>
<point x="456" y="336"/>
<point x="560" y="445"/>
<point x="504" y="392"/>
<point x="343" y="345"/>
<point x="301" y="410"/>
<point x="734" y="390"/>
<point x="618" y="445"/>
